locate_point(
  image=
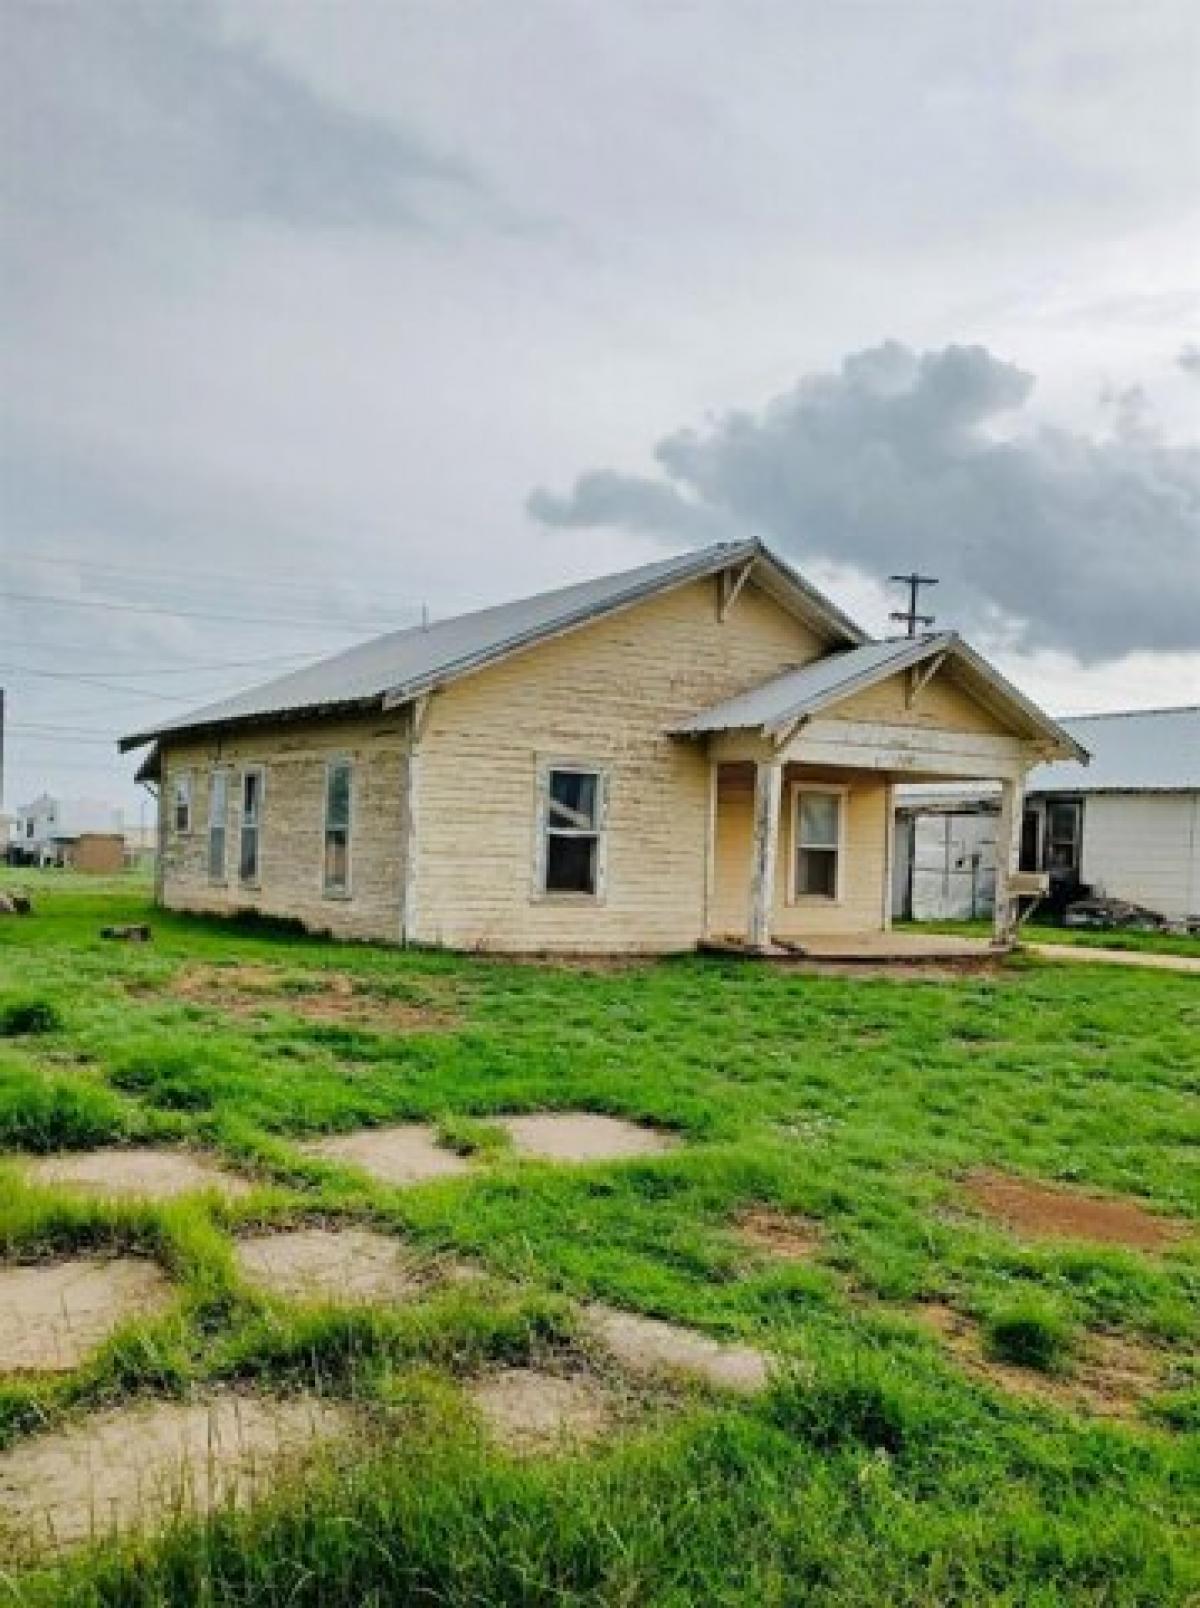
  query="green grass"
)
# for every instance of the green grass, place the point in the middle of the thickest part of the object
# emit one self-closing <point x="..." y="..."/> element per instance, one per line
<point x="874" y="1470"/>
<point x="1030" y="1334"/>
<point x="1041" y="932"/>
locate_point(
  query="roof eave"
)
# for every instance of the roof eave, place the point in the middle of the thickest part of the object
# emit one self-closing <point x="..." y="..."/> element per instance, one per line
<point x="268" y="717"/>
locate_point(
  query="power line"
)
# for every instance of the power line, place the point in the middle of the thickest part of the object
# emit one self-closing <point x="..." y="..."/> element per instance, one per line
<point x="152" y="670"/>
<point x="90" y="678"/>
<point x="319" y="585"/>
<point x="196" y="614"/>
<point x="108" y="686"/>
<point x="67" y="741"/>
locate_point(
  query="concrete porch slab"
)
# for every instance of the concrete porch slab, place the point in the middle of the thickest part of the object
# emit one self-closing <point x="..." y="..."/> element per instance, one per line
<point x="873" y="948"/>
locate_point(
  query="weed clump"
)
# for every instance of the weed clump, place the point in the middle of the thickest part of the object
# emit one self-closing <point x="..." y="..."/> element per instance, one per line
<point x="1029" y="1335"/>
<point x="20" y="1018"/>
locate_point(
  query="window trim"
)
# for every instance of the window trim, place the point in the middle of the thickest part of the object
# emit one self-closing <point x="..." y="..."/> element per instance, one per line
<point x="841" y="792"/>
<point x="178" y="777"/>
<point x="1074" y="803"/>
<point x="543" y="830"/>
<point x="260" y="771"/>
<point x="222" y="880"/>
<point x="328" y="892"/>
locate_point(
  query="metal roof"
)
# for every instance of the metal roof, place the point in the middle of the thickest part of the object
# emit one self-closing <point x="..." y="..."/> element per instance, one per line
<point x="392" y="669"/>
<point x="777" y="703"/>
<point x="799" y="692"/>
<point x="1133" y="750"/>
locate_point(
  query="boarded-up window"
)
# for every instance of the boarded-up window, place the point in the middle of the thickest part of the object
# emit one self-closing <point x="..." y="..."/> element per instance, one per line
<point x="337" y="827"/>
<point x="818" y="822"/>
<point x="572" y="834"/>
<point x="181" y="802"/>
<point x="218" y="812"/>
<point x="249" y="853"/>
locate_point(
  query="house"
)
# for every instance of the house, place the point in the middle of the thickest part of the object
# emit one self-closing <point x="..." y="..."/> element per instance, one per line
<point x="703" y="748"/>
<point x="47" y="829"/>
<point x="1128" y="827"/>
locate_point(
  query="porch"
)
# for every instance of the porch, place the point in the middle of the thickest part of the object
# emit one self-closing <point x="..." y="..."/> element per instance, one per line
<point x="802" y="771"/>
<point x="799" y="862"/>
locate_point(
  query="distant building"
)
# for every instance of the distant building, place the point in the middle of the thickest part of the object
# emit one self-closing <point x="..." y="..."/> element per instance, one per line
<point x="46" y="831"/>
<point x="1126" y="827"/>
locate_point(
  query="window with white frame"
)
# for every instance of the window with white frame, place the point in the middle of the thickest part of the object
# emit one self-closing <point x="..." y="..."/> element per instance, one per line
<point x="573" y="801"/>
<point x="181" y="802"/>
<point x="218" y="815"/>
<point x="818" y="838"/>
<point x="336" y="875"/>
<point x="249" y="852"/>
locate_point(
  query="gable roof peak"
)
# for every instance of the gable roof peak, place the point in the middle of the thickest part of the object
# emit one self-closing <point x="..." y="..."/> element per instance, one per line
<point x="391" y="670"/>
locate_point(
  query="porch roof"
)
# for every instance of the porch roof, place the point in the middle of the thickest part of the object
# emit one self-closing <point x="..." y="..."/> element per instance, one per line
<point x="782" y="700"/>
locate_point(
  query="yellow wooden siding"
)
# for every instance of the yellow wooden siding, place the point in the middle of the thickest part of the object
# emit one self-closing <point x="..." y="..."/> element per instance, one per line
<point x="607" y="694"/>
<point x="941" y="704"/>
<point x="865" y="825"/>
<point x="291" y="848"/>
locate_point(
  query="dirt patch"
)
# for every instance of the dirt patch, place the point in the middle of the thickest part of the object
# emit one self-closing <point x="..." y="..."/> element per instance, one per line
<point x="348" y="1266"/>
<point x="401" y="1156"/>
<point x="1110" y="1377"/>
<point x="941" y="970"/>
<point x="648" y="1346"/>
<point x="52" y="1315"/>
<point x="334" y="998"/>
<point x="1052" y="1211"/>
<point x="120" y="1171"/>
<point x="528" y="1410"/>
<point x="141" y="1465"/>
<point x="780" y="1234"/>
<point x="583" y="1136"/>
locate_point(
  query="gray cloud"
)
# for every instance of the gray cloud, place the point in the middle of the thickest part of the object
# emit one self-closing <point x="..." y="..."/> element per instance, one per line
<point x="1044" y="538"/>
<point x="145" y="104"/>
<point x="1188" y="359"/>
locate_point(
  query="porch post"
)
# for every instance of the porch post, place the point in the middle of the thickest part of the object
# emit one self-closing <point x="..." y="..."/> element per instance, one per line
<point x="710" y="849"/>
<point x="768" y="790"/>
<point x="1008" y="850"/>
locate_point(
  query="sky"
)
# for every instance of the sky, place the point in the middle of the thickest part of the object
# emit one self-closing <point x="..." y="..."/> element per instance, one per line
<point x="318" y="314"/>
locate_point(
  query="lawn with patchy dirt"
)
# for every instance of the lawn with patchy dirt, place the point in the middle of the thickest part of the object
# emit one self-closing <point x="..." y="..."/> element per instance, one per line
<point x="820" y="1289"/>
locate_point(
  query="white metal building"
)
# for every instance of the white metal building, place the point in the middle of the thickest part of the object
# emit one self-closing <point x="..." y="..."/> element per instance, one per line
<point x="1127" y="826"/>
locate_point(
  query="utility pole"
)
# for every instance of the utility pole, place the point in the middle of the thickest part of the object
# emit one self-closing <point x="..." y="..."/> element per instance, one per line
<point x="909" y="617"/>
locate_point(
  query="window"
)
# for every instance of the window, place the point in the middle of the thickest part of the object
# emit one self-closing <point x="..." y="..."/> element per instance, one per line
<point x="572" y="831"/>
<point x="248" y="855"/>
<point x="218" y="810"/>
<point x="818" y="827"/>
<point x="1063" y="817"/>
<point x="181" y="802"/>
<point x="337" y="828"/>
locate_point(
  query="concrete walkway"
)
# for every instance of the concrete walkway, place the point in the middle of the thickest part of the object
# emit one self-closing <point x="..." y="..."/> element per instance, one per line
<point x="1115" y="957"/>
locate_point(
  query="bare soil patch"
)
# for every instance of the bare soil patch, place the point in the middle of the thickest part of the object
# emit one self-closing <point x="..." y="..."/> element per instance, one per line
<point x="583" y="1136"/>
<point x="400" y="1156"/>
<point x="893" y="971"/>
<point x="1052" y="1211"/>
<point x="649" y="1347"/>
<point x="1110" y="1377"/>
<point x="347" y="1266"/>
<point x="323" y="997"/>
<point x="141" y="1465"/>
<point x="53" y="1314"/>
<point x="120" y="1171"/>
<point x="529" y="1410"/>
<point x="785" y="1235"/>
